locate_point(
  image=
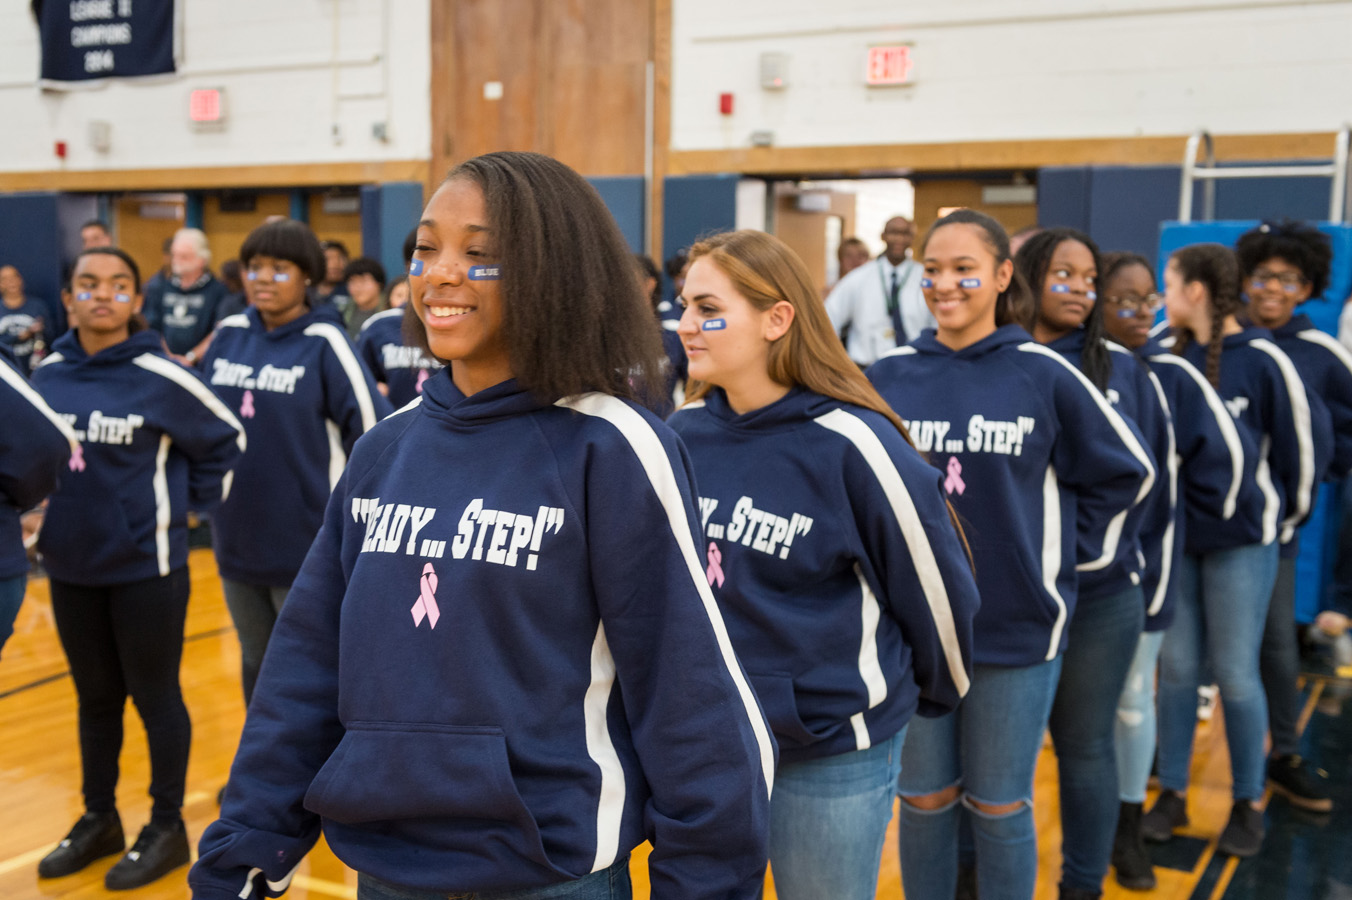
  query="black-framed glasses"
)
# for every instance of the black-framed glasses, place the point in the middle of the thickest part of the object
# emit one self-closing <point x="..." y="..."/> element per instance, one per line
<point x="1290" y="282"/>
<point x="1129" y="305"/>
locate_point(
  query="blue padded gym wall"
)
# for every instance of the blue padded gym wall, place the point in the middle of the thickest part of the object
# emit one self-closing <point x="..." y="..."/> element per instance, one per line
<point x="388" y="212"/>
<point x="623" y="196"/>
<point x="31" y="240"/>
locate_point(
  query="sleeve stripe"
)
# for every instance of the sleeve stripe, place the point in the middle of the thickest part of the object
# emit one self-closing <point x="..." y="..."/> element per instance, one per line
<point x="381" y="316"/>
<point x="25" y="390"/>
<point x="1051" y="555"/>
<point x="857" y="432"/>
<point x="1329" y="343"/>
<point x="1171" y="468"/>
<point x="351" y="366"/>
<point x="184" y="379"/>
<point x="653" y="457"/>
<point x="1114" y="418"/>
<point x="1300" y="412"/>
<point x="1224" y="421"/>
<point x="904" y="350"/>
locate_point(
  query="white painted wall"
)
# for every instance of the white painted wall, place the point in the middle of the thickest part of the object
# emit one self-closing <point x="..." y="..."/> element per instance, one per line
<point x="1011" y="69"/>
<point x="291" y="70"/>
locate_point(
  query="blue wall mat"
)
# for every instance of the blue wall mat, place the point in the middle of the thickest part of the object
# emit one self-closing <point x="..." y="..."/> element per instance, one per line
<point x="693" y="206"/>
<point x="388" y="213"/>
<point x="31" y="241"/>
<point x="623" y="195"/>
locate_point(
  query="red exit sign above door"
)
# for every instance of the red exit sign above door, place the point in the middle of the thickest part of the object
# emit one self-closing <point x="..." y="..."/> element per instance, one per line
<point x="889" y="65"/>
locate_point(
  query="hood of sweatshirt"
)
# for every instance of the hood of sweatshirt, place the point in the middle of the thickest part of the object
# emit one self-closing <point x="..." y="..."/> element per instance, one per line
<point x="442" y="399"/>
<point x="929" y="344"/>
<point x="72" y="351"/>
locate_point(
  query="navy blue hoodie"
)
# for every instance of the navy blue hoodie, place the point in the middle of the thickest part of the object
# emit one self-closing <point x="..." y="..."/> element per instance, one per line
<point x="34" y="445"/>
<point x="1210" y="475"/>
<point x="156" y="443"/>
<point x="1325" y="367"/>
<point x="1262" y="389"/>
<point x="846" y="590"/>
<point x="1131" y="392"/>
<point x="304" y="398"/>
<point x="502" y="667"/>
<point x="1026" y="444"/>
<point x="401" y="368"/>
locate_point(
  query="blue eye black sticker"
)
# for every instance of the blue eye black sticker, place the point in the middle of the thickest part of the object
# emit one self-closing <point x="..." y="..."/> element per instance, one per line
<point x="84" y="295"/>
<point x="252" y="276"/>
<point x="415" y="267"/>
<point x="281" y="276"/>
<point x="1092" y="295"/>
<point x="715" y="325"/>
<point x="485" y="273"/>
<point x="1060" y="289"/>
<point x="927" y="282"/>
<point x="122" y="298"/>
<point x="970" y="283"/>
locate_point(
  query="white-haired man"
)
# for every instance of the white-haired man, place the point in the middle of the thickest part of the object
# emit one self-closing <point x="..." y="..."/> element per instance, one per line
<point x="185" y="308"/>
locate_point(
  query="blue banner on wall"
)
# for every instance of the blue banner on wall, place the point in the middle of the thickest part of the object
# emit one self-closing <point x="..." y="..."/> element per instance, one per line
<point x="86" y="41"/>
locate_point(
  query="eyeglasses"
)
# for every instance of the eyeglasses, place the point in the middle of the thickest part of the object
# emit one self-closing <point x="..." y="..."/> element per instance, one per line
<point x="1134" y="304"/>
<point x="1290" y="282"/>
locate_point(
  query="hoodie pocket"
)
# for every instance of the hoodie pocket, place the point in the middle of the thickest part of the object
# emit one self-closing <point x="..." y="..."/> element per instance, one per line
<point x="384" y="772"/>
<point x="777" y="698"/>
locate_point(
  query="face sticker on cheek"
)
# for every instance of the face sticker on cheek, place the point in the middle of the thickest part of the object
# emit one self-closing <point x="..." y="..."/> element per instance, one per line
<point x="415" y="267"/>
<point x="1060" y="289"/>
<point x="927" y="283"/>
<point x="122" y="298"/>
<point x="84" y="295"/>
<point x="969" y="283"/>
<point x="1092" y="295"/>
<point x="251" y="276"/>
<point x="485" y="273"/>
<point x="715" y="325"/>
<point x="281" y="276"/>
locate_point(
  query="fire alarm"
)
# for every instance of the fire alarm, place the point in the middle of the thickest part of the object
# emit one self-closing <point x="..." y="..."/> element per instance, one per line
<point x="725" y="104"/>
<point x="60" y="149"/>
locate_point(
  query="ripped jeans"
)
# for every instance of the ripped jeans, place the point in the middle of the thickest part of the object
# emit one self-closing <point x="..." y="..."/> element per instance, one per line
<point x="988" y="748"/>
<point x="1135" y="730"/>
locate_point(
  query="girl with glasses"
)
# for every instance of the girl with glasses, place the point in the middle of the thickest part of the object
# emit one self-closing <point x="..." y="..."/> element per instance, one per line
<point x="1286" y="264"/>
<point x="1205" y="471"/>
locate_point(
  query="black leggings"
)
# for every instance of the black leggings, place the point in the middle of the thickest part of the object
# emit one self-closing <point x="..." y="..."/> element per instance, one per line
<point x="128" y="639"/>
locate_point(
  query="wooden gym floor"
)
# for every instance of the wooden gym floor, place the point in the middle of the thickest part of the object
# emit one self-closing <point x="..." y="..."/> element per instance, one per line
<point x="1303" y="857"/>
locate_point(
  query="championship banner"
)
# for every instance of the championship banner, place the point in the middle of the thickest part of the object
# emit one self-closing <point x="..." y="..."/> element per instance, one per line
<point x="85" y="42"/>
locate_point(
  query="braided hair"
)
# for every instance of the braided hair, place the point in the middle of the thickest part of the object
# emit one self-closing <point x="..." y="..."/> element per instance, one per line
<point x="1214" y="267"/>
<point x="1033" y="260"/>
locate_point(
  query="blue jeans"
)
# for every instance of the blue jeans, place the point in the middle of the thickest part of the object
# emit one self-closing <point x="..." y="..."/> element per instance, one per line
<point x="1100" y="644"/>
<point x="1222" y="606"/>
<point x="828" y="821"/>
<point x="1135" y="730"/>
<point x="988" y="746"/>
<point x="254" y="609"/>
<point x="11" y="598"/>
<point x="608" y="884"/>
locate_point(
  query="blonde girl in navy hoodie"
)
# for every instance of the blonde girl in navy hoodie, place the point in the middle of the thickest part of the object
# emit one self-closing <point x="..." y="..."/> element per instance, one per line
<point x="287" y="368"/>
<point x="154" y="443"/>
<point x="1228" y="570"/>
<point x="1062" y="264"/>
<point x="501" y="667"/>
<point x="846" y="586"/>
<point x="1025" y="443"/>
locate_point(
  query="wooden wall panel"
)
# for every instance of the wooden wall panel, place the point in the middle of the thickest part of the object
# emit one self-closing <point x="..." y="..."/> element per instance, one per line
<point x="931" y="196"/>
<point x="142" y="237"/>
<point x="573" y="74"/>
<point x="345" y="227"/>
<point x="226" y="231"/>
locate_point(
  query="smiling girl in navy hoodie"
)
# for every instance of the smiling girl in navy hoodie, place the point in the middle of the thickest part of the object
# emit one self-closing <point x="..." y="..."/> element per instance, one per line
<point x="502" y="667"/>
<point x="1229" y="569"/>
<point x="1061" y="264"/>
<point x="287" y="368"/>
<point x="1024" y="442"/>
<point x="847" y="589"/>
<point x="1204" y="475"/>
<point x="155" y="443"/>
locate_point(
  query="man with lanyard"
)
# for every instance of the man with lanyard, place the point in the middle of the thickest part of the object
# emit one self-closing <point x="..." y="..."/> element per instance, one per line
<point x="879" y="306"/>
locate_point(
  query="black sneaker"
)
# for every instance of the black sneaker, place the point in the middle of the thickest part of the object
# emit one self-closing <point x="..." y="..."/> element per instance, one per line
<point x="1169" y="813"/>
<point x="159" y="849"/>
<point x="94" y="836"/>
<point x="1070" y="893"/>
<point x="1243" y="834"/>
<point x="1300" y="783"/>
<point x="1130" y="859"/>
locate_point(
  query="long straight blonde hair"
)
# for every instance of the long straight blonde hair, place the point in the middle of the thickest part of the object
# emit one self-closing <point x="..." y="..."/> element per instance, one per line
<point x="766" y="271"/>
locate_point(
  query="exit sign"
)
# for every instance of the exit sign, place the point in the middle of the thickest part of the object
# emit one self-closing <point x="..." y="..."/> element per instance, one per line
<point x="889" y="65"/>
<point x="206" y="107"/>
